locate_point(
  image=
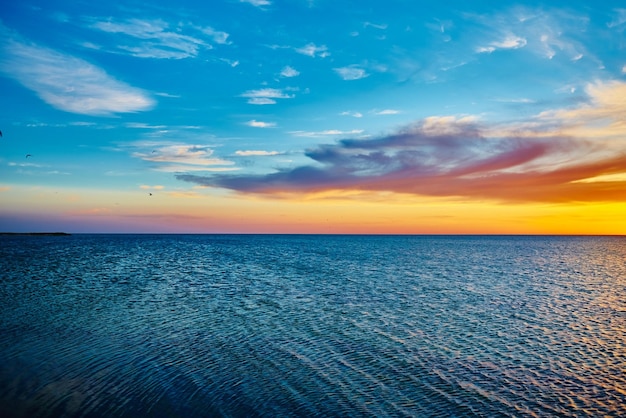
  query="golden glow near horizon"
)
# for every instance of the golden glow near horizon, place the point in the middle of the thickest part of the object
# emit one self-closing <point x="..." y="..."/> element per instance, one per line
<point x="345" y="213"/>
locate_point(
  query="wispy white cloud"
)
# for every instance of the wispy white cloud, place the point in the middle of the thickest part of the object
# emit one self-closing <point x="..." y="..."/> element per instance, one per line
<point x="185" y="157"/>
<point x="328" y="132"/>
<point x="351" y="73"/>
<point x="618" y="19"/>
<point x="353" y="114"/>
<point x="141" y="125"/>
<point x="511" y="42"/>
<point x="146" y="38"/>
<point x="382" y="26"/>
<point x="257" y="3"/>
<point x="542" y="32"/>
<point x="267" y="92"/>
<point x="508" y="42"/>
<point x="155" y="40"/>
<point x="66" y="82"/>
<point x="288" y="71"/>
<point x="14" y="164"/>
<point x="265" y="96"/>
<point x="256" y="153"/>
<point x="182" y="168"/>
<point x="258" y="124"/>
<point x="261" y="101"/>
<point x="313" y="50"/>
<point x="515" y="100"/>
<point x="171" y="96"/>
<point x="387" y="112"/>
<point x="219" y="37"/>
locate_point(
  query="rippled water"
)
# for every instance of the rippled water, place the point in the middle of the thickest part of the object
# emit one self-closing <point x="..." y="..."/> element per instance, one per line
<point x="239" y="325"/>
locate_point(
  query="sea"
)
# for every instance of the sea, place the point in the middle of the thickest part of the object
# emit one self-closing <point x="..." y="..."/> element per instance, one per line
<point x="114" y="325"/>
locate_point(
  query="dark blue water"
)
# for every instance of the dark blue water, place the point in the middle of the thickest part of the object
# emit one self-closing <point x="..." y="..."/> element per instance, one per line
<point x="238" y="325"/>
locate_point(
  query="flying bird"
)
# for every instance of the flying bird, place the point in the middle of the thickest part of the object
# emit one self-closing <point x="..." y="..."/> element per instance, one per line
<point x="0" y="134"/>
<point x="150" y="194"/>
<point x="28" y="155"/>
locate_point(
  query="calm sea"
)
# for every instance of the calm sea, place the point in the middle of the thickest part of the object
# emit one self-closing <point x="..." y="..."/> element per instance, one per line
<point x="312" y="326"/>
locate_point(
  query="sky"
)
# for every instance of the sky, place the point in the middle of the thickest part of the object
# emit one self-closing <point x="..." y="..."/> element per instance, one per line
<point x="313" y="116"/>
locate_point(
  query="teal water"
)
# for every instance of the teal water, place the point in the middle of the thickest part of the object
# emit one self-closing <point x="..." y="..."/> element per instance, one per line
<point x="305" y="325"/>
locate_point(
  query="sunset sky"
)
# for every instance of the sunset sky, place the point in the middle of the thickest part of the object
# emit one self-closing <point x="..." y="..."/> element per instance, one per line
<point x="313" y="116"/>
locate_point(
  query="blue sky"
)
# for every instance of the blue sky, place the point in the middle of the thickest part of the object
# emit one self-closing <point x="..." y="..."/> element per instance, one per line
<point x="264" y="97"/>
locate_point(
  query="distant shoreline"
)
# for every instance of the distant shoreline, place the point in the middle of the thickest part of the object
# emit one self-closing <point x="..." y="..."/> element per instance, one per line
<point x="36" y="233"/>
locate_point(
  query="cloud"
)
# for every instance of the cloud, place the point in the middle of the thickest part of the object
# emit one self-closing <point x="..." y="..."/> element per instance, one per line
<point x="313" y="50"/>
<point x="258" y="124"/>
<point x="261" y="101"/>
<point x="154" y="39"/>
<point x="351" y="73"/>
<point x="257" y="3"/>
<point x="509" y="42"/>
<point x="140" y="125"/>
<point x="219" y="37"/>
<point x="265" y="96"/>
<point x="374" y="25"/>
<point x="353" y="114"/>
<point x="602" y="118"/>
<point x="387" y="112"/>
<point x="543" y="32"/>
<point x="515" y="100"/>
<point x="252" y="153"/>
<point x="619" y="19"/>
<point x="184" y="158"/>
<point x="186" y="168"/>
<point x="328" y="132"/>
<point x="289" y="72"/>
<point x="151" y="39"/>
<point x="567" y="155"/>
<point x="66" y="82"/>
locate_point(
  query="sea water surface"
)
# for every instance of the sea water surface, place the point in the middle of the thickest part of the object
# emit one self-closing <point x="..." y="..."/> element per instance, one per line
<point x="314" y="326"/>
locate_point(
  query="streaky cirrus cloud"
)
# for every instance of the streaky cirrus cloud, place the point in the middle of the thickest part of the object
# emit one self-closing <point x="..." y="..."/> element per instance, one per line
<point x="543" y="32"/>
<point x="380" y="26"/>
<point x="509" y="42"/>
<point x="265" y="96"/>
<point x="327" y="132"/>
<point x="387" y="112"/>
<point x="185" y="158"/>
<point x="146" y="38"/>
<point x="66" y="82"/>
<point x="257" y="3"/>
<point x="256" y="153"/>
<point x="544" y="161"/>
<point x="353" y="114"/>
